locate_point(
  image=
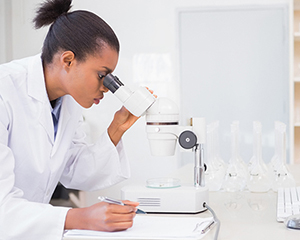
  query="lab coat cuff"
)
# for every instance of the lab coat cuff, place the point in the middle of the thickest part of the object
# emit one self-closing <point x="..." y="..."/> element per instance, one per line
<point x="62" y="214"/>
<point x="119" y="147"/>
<point x="116" y="166"/>
<point x="123" y="160"/>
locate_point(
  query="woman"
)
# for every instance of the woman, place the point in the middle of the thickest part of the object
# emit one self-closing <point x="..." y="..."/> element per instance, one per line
<point x="41" y="140"/>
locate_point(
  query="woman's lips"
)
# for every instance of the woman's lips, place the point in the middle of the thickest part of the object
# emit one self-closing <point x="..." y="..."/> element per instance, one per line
<point x="97" y="100"/>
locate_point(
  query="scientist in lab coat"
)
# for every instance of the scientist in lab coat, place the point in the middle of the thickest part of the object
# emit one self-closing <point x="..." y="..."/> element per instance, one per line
<point x="41" y="140"/>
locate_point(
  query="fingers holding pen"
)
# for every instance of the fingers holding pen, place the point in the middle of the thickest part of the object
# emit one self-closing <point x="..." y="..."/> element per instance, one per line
<point x="131" y="203"/>
<point x="119" y="217"/>
<point x="121" y="209"/>
<point x="102" y="216"/>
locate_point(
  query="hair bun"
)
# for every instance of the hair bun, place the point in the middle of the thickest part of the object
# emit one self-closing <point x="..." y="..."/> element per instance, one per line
<point x="49" y="11"/>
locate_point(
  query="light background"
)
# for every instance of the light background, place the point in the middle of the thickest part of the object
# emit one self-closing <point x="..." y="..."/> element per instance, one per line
<point x="150" y="55"/>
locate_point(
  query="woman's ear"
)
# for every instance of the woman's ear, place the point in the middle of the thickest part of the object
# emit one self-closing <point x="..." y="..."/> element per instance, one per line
<point x="66" y="59"/>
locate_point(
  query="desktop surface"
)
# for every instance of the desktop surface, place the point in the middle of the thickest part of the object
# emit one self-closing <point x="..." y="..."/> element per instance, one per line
<point x="247" y="216"/>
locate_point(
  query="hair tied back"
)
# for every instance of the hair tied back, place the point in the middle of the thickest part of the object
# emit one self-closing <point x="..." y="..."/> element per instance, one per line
<point x="49" y="11"/>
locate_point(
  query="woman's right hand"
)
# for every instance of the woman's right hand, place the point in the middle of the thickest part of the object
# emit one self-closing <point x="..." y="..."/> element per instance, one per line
<point x="102" y="217"/>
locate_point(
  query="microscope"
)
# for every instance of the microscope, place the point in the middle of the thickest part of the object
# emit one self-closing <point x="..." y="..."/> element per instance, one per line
<point x="165" y="195"/>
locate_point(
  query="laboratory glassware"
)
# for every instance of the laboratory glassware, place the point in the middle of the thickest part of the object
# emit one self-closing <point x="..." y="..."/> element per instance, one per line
<point x="259" y="179"/>
<point x="282" y="176"/>
<point x="236" y="174"/>
<point x="214" y="175"/>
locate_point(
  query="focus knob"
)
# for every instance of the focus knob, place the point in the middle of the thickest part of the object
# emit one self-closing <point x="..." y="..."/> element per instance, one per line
<point x="187" y="139"/>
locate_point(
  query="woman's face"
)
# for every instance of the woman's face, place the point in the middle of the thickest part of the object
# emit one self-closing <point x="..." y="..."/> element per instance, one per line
<point x="85" y="79"/>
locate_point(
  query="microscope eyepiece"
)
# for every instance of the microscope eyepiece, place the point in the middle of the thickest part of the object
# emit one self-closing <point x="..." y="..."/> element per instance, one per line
<point x="112" y="82"/>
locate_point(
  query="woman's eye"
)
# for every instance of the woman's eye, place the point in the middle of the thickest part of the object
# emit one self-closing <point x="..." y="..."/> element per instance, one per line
<point x="101" y="76"/>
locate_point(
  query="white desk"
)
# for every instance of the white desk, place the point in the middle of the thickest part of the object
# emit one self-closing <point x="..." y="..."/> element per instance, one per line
<point x="248" y="216"/>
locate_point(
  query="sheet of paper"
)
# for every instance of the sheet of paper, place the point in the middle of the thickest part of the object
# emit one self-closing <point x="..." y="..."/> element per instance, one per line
<point x="152" y="227"/>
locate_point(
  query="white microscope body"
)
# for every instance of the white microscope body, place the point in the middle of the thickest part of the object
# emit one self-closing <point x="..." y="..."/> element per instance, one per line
<point x="163" y="130"/>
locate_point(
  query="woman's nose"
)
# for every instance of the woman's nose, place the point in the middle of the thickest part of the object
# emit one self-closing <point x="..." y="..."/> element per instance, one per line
<point x="104" y="89"/>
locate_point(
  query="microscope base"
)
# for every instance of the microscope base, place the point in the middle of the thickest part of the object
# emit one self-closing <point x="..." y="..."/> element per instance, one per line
<point x="183" y="199"/>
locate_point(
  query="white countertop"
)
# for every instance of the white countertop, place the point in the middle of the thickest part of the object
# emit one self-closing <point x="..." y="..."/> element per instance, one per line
<point x="248" y="216"/>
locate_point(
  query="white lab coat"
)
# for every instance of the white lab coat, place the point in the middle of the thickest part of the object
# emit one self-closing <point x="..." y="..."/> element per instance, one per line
<point x="32" y="163"/>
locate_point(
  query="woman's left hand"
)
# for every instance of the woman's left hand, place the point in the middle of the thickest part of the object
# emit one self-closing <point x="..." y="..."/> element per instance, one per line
<point x="122" y="121"/>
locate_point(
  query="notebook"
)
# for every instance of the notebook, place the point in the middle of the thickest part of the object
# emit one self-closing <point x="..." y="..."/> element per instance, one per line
<point x="151" y="227"/>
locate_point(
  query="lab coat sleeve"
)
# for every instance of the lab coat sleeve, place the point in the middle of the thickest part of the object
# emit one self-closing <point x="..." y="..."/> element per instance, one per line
<point x="20" y="218"/>
<point x="94" y="166"/>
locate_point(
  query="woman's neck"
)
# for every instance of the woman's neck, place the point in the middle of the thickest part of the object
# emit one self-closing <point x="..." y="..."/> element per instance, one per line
<point x="52" y="81"/>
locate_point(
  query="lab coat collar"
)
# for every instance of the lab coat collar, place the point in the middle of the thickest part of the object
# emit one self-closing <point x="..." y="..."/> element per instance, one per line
<point x="36" y="87"/>
<point x="37" y="90"/>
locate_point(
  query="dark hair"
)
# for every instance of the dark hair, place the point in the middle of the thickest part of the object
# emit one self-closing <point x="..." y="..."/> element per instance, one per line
<point x="81" y="32"/>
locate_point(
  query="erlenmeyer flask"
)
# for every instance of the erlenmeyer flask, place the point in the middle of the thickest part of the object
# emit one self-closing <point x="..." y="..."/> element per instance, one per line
<point x="283" y="177"/>
<point x="235" y="178"/>
<point x="258" y="180"/>
<point x="214" y="175"/>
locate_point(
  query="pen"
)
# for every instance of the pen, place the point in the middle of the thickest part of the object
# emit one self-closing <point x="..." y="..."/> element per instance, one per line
<point x="208" y="227"/>
<point x="118" y="202"/>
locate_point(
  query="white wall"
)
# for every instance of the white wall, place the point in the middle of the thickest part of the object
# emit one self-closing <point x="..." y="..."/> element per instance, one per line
<point x="26" y="41"/>
<point x="228" y="81"/>
<point x="2" y="32"/>
<point x="5" y="30"/>
<point x="147" y="30"/>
